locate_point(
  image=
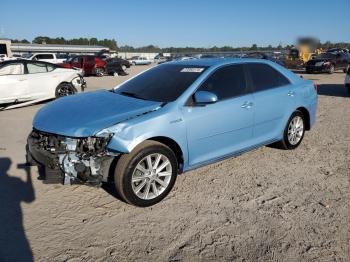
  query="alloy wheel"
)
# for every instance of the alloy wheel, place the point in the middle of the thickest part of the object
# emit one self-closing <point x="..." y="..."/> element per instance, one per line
<point x="295" y="130"/>
<point x="65" y="90"/>
<point x="152" y="176"/>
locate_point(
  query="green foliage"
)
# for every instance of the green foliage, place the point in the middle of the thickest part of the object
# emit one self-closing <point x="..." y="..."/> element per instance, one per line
<point x="111" y="43"/>
<point x="23" y="41"/>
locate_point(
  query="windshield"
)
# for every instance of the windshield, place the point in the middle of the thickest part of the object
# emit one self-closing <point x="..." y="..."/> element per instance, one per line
<point x="163" y="83"/>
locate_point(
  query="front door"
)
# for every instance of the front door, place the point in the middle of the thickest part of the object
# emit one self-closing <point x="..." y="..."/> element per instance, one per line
<point x="220" y="129"/>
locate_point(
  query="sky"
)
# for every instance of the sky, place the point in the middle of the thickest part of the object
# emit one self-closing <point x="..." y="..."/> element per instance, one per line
<point x="178" y="23"/>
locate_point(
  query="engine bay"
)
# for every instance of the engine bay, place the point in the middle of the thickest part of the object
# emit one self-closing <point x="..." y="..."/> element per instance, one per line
<point x="76" y="160"/>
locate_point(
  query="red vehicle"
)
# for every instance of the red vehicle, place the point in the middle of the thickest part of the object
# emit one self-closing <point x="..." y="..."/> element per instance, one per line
<point x="91" y="65"/>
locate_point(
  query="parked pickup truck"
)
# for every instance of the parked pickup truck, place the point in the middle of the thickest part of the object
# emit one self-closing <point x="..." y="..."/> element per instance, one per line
<point x="47" y="57"/>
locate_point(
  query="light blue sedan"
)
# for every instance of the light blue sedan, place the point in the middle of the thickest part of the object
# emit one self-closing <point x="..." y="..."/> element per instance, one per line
<point x="168" y="120"/>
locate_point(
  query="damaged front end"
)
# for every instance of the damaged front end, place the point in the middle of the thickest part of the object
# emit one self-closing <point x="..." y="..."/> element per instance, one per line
<point x="71" y="160"/>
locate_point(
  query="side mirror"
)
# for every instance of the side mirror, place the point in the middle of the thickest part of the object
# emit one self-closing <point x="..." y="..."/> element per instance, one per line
<point x="204" y="98"/>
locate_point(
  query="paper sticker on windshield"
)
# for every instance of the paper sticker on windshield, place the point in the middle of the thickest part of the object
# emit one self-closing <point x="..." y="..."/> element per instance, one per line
<point x="192" y="70"/>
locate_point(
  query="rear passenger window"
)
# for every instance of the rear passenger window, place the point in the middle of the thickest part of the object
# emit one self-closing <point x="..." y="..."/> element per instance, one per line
<point x="226" y="82"/>
<point x="34" y="68"/>
<point x="265" y="77"/>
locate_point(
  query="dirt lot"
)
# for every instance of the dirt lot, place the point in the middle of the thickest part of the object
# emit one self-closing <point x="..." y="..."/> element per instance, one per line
<point x="264" y="205"/>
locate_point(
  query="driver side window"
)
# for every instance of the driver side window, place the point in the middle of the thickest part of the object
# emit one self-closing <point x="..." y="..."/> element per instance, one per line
<point x="227" y="82"/>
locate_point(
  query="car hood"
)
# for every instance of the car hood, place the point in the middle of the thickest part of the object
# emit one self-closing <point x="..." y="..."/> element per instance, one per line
<point x="85" y="114"/>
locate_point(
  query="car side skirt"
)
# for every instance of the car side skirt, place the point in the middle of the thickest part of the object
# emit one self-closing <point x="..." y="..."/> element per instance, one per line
<point x="234" y="154"/>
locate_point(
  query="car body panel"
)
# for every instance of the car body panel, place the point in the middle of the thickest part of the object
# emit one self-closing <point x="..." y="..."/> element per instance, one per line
<point x="228" y="122"/>
<point x="109" y="108"/>
<point x="87" y="63"/>
<point x="141" y="61"/>
<point x="203" y="133"/>
<point x="323" y="64"/>
<point x="34" y="86"/>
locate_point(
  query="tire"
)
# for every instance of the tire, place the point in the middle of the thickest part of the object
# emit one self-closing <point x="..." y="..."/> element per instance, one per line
<point x="99" y="71"/>
<point x="142" y="191"/>
<point x="346" y="69"/>
<point x="65" y="89"/>
<point x="348" y="88"/>
<point x="124" y="67"/>
<point x="331" y="69"/>
<point x="287" y="142"/>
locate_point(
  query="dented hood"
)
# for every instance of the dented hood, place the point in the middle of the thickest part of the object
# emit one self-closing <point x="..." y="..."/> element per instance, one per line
<point x="85" y="114"/>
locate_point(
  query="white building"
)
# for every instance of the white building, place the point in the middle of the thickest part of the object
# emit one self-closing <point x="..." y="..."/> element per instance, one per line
<point x="19" y="48"/>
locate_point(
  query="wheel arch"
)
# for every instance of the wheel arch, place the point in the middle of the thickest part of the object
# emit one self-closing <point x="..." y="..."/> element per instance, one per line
<point x="171" y="143"/>
<point x="174" y="146"/>
<point x="307" y="116"/>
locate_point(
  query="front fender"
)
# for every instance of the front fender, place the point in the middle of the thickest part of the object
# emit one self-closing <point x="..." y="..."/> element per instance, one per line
<point x="135" y="131"/>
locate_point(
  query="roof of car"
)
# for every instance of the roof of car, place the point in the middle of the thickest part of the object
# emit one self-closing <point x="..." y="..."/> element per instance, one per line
<point x="216" y="61"/>
<point x="20" y="60"/>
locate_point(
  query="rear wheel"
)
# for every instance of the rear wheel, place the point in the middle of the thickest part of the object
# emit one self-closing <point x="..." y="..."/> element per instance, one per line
<point x="346" y="69"/>
<point x="294" y="131"/>
<point x="65" y="89"/>
<point x="124" y="68"/>
<point x="147" y="174"/>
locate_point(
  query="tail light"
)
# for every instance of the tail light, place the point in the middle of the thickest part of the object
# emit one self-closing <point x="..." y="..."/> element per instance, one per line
<point x="315" y="87"/>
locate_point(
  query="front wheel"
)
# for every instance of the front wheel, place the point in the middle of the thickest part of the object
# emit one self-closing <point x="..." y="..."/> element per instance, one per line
<point x="65" y="89"/>
<point x="99" y="71"/>
<point x="146" y="175"/>
<point x="294" y="131"/>
<point x="331" y="69"/>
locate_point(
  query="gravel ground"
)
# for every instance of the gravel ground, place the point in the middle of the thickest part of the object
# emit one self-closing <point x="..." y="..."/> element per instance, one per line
<point x="267" y="205"/>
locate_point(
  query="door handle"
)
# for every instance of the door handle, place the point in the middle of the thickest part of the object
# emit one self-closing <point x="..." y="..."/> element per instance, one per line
<point x="291" y="93"/>
<point x="247" y="105"/>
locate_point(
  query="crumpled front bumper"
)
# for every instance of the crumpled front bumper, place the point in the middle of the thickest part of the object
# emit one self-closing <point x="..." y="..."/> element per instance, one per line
<point x="64" y="164"/>
<point x="79" y="83"/>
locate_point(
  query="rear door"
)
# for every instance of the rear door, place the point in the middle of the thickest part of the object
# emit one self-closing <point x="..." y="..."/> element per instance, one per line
<point x="42" y="80"/>
<point x="274" y="100"/>
<point x="217" y="130"/>
<point x="13" y="83"/>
